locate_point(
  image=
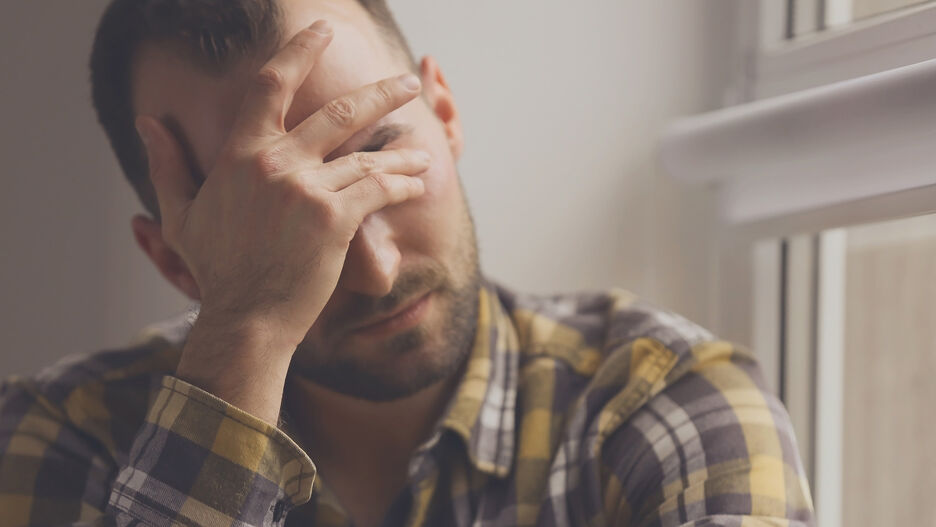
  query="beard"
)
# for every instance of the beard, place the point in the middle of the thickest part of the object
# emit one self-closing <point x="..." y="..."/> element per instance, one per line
<point x="412" y="360"/>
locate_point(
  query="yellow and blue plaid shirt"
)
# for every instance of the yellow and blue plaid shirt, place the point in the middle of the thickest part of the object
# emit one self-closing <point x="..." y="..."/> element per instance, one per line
<point x="591" y="409"/>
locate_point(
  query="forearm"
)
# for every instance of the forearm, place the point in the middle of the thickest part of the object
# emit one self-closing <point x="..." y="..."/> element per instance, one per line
<point x="195" y="458"/>
<point x="227" y="463"/>
<point x="241" y="359"/>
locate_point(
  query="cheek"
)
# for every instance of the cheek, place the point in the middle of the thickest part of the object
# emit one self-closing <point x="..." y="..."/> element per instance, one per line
<point x="443" y="195"/>
<point x="441" y="182"/>
<point x="431" y="221"/>
<point x="441" y="178"/>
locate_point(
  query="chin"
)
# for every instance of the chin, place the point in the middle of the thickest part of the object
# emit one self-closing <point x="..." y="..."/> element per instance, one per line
<point x="395" y="368"/>
<point x="403" y="363"/>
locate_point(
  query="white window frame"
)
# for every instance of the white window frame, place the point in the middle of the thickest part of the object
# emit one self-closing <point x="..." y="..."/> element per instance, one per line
<point x="827" y="131"/>
<point x="860" y="48"/>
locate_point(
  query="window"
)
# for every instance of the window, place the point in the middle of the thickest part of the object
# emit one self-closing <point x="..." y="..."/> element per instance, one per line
<point x="888" y="367"/>
<point x="805" y="17"/>
<point x="811" y="45"/>
<point x="861" y="9"/>
<point x="846" y="314"/>
<point x="827" y="256"/>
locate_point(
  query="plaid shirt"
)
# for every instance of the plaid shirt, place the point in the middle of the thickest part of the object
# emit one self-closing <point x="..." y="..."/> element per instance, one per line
<point x="581" y="410"/>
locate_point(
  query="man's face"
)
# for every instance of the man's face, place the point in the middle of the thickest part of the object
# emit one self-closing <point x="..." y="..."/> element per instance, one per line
<point x="401" y="253"/>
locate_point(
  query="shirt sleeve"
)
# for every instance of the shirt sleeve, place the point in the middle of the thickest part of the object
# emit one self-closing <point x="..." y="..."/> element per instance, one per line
<point x="196" y="460"/>
<point x="711" y="448"/>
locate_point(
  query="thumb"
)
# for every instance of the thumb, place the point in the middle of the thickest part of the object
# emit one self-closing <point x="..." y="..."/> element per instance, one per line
<point x="168" y="171"/>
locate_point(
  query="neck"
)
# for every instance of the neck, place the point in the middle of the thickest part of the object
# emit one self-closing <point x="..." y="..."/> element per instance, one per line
<point x="340" y="430"/>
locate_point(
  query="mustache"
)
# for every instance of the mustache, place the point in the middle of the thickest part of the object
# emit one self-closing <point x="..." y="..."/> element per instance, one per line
<point x="363" y="308"/>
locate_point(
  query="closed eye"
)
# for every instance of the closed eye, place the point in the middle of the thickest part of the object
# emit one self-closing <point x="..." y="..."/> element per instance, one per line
<point x="374" y="146"/>
<point x="378" y="139"/>
<point x="382" y="136"/>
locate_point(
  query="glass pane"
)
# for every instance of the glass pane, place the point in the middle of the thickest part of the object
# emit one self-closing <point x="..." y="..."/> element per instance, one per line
<point x="889" y="371"/>
<point x="805" y="17"/>
<point x="867" y="8"/>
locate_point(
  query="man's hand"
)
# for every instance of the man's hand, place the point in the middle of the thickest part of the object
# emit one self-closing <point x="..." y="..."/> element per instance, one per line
<point x="266" y="235"/>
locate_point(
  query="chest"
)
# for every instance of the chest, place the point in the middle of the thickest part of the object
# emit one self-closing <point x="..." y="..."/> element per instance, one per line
<point x="444" y="488"/>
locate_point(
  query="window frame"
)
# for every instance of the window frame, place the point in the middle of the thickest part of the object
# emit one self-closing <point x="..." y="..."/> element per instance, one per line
<point x="779" y="65"/>
<point x="769" y="261"/>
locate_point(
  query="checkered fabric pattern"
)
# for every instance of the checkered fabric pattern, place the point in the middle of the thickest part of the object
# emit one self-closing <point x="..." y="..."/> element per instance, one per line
<point x="592" y="409"/>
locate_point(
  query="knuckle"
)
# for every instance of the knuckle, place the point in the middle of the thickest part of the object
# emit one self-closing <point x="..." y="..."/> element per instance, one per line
<point x="382" y="182"/>
<point x="384" y="93"/>
<point x="341" y="112"/>
<point x="291" y="189"/>
<point x="268" y="162"/>
<point x="365" y="163"/>
<point x="270" y="79"/>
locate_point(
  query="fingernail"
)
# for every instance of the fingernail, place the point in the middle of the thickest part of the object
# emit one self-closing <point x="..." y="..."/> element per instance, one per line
<point x="322" y="27"/>
<point x="410" y="82"/>
<point x="423" y="156"/>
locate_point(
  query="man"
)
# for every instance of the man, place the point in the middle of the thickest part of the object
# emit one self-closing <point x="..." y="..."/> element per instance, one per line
<point x="349" y="364"/>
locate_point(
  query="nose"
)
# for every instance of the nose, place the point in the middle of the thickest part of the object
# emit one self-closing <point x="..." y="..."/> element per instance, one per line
<point x="373" y="260"/>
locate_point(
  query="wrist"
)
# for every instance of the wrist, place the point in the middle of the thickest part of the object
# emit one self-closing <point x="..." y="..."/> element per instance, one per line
<point x="264" y="326"/>
<point x="242" y="360"/>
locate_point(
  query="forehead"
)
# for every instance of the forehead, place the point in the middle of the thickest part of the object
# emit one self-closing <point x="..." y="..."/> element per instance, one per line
<point x="204" y="106"/>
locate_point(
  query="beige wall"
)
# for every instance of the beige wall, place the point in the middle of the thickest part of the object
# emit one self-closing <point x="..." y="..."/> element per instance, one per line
<point x="562" y="103"/>
<point x="71" y="279"/>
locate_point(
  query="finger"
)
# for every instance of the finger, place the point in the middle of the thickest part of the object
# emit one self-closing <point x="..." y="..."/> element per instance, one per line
<point x="335" y="123"/>
<point x="168" y="170"/>
<point x="273" y="87"/>
<point x="377" y="191"/>
<point x="344" y="171"/>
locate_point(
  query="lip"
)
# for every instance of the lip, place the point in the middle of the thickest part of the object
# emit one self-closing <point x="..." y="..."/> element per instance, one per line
<point x="404" y="318"/>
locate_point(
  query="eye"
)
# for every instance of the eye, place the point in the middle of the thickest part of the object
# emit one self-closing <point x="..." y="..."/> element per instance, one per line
<point x="374" y="147"/>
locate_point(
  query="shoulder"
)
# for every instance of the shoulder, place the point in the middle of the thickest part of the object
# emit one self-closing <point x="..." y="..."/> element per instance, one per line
<point x="591" y="331"/>
<point x="653" y="408"/>
<point x="599" y="356"/>
<point x="617" y="352"/>
<point x="608" y="361"/>
<point x="102" y="395"/>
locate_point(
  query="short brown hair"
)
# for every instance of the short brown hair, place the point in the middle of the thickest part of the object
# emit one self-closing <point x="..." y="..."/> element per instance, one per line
<point x="214" y="34"/>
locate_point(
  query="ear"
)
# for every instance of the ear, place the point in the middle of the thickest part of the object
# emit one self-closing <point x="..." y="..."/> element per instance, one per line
<point x="439" y="96"/>
<point x="148" y="234"/>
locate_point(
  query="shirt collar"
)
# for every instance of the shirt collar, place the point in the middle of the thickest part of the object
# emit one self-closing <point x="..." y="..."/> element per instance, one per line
<point x="482" y="411"/>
